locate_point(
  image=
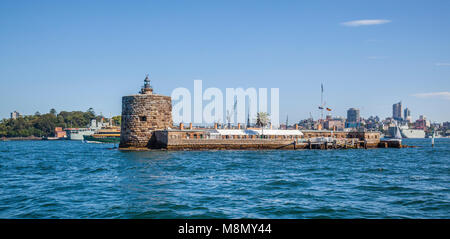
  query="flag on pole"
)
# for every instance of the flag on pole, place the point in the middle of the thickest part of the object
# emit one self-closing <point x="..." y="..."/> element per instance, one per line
<point x="321" y="86"/>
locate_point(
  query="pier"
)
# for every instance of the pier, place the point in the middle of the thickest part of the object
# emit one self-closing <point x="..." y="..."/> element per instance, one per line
<point x="147" y="124"/>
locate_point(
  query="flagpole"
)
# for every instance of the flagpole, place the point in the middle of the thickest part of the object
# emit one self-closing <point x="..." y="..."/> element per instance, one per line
<point x="321" y="103"/>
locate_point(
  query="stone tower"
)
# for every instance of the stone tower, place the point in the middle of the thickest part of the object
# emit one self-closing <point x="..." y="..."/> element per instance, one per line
<point x="142" y="114"/>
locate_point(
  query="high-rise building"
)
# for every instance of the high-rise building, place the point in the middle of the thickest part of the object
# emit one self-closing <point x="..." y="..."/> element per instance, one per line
<point x="15" y="115"/>
<point x="353" y="118"/>
<point x="407" y="114"/>
<point x="353" y="115"/>
<point x="397" y="111"/>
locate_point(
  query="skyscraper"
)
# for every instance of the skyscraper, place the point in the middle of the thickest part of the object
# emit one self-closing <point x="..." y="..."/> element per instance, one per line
<point x="352" y="118"/>
<point x="407" y="114"/>
<point x="352" y="115"/>
<point x="397" y="111"/>
<point x="15" y="115"/>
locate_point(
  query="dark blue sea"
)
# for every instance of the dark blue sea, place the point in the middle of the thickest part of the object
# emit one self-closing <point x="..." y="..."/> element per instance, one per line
<point x="70" y="179"/>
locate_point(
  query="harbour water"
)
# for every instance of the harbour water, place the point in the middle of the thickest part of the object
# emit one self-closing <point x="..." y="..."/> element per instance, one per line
<point x="71" y="179"/>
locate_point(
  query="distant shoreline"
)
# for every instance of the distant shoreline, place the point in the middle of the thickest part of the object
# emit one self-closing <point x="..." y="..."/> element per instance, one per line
<point x="20" y="138"/>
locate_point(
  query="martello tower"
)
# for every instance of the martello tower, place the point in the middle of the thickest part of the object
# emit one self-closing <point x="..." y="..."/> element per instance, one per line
<point x="142" y="114"/>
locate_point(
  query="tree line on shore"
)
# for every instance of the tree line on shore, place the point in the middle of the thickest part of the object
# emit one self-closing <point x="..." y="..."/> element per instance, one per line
<point x="43" y="125"/>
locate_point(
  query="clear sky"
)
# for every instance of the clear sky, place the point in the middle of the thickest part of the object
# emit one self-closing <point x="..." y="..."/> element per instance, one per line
<point x="368" y="54"/>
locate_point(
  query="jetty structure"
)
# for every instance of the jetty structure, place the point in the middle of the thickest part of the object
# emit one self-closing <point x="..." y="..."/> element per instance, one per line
<point x="147" y="124"/>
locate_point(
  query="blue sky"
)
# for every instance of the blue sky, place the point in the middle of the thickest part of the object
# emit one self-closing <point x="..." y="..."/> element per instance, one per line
<point x="80" y="54"/>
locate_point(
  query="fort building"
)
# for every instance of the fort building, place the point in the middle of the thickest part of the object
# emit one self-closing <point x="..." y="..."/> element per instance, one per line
<point x="142" y="115"/>
<point x="147" y="124"/>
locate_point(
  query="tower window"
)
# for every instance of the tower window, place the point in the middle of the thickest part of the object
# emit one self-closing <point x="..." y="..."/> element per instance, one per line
<point x="143" y="118"/>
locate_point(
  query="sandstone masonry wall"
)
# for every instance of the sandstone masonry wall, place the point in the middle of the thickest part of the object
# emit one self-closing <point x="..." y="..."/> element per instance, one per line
<point x="224" y="144"/>
<point x="141" y="116"/>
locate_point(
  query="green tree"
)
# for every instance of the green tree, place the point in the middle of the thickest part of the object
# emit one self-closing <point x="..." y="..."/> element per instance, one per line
<point x="44" y="125"/>
<point x="117" y="119"/>
<point x="91" y="111"/>
<point x="3" y="129"/>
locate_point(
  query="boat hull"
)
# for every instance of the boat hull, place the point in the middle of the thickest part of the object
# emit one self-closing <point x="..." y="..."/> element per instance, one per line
<point x="413" y="133"/>
<point x="90" y="138"/>
<point x="78" y="134"/>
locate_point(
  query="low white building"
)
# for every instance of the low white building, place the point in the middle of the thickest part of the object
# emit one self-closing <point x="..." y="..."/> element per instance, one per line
<point x="243" y="132"/>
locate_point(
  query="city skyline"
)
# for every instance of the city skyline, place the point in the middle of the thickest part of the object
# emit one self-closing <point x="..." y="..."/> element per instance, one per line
<point x="73" y="56"/>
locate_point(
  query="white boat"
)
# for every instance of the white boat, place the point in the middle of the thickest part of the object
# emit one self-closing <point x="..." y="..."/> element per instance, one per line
<point x="394" y="134"/>
<point x="78" y="133"/>
<point x="413" y="133"/>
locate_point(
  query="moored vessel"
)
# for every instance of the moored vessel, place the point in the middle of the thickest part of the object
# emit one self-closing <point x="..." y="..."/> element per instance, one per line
<point x="105" y="135"/>
<point x="78" y="133"/>
<point x="413" y="133"/>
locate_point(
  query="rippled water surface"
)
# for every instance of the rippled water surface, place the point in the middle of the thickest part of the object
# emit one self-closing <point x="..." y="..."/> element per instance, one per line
<point x="70" y="179"/>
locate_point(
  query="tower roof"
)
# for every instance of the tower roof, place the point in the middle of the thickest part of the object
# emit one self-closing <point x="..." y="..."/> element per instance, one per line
<point x="147" y="89"/>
